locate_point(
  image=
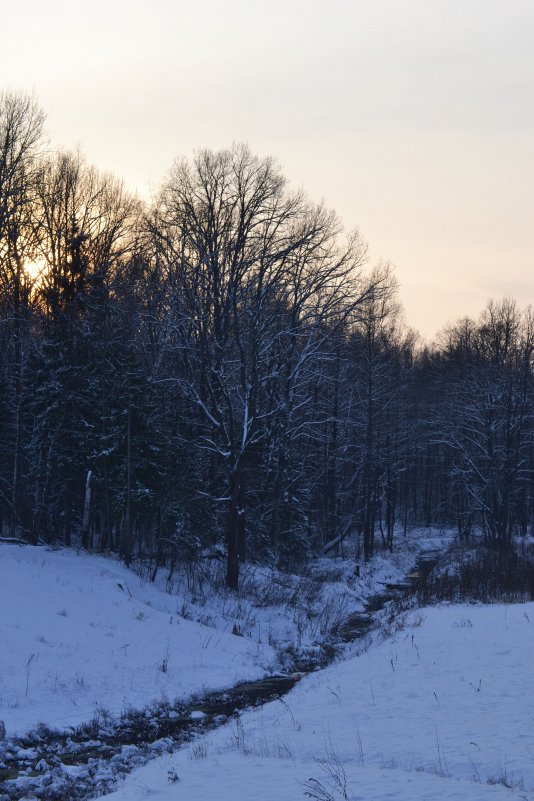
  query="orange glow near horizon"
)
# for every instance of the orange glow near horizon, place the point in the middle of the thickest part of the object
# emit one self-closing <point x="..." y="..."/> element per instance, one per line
<point x="413" y="121"/>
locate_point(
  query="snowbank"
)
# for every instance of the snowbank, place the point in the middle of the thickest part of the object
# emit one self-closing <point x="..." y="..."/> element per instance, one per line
<point x="440" y="710"/>
<point x="79" y="633"/>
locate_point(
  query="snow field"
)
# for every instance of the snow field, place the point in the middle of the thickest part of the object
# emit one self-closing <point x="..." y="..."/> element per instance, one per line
<point x="82" y="633"/>
<point x="440" y="710"/>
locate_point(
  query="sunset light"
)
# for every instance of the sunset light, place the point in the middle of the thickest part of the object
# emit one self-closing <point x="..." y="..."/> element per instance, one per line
<point x="35" y="269"/>
<point x="267" y="400"/>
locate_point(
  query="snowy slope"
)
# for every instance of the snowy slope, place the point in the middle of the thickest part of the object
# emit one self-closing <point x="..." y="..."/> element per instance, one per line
<point x="443" y="709"/>
<point x="80" y="633"/>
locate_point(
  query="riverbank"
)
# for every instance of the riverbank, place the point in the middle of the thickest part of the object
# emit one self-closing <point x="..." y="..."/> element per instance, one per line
<point x="102" y="710"/>
<point x="440" y="709"/>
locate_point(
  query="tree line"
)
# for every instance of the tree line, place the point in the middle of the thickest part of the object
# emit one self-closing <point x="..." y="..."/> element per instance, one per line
<point x="219" y="371"/>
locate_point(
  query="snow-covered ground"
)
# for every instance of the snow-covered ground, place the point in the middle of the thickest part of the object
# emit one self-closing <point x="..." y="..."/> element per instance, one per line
<point x="81" y="633"/>
<point x="442" y="709"/>
<point x="438" y="708"/>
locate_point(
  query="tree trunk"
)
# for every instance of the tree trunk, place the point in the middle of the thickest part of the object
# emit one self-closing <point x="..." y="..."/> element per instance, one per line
<point x="87" y="510"/>
<point x="233" y="533"/>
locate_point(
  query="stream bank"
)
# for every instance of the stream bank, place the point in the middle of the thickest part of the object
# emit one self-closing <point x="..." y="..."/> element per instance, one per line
<point x="87" y="761"/>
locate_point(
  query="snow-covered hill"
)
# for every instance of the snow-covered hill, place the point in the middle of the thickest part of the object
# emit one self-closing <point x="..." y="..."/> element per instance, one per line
<point x="440" y="710"/>
<point x="83" y="633"/>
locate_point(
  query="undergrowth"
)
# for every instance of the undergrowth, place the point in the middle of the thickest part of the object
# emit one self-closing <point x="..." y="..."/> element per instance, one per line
<point x="482" y="573"/>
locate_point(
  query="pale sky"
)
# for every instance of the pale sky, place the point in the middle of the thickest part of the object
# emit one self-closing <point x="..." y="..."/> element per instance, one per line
<point x="413" y="119"/>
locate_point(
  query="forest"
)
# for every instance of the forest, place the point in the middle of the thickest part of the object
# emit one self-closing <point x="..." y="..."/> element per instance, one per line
<point x="220" y="372"/>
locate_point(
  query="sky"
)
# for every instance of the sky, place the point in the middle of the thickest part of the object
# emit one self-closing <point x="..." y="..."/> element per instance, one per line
<point x="413" y="120"/>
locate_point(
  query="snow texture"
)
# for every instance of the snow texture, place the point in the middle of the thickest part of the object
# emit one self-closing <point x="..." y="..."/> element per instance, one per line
<point x="439" y="710"/>
<point x="82" y="633"/>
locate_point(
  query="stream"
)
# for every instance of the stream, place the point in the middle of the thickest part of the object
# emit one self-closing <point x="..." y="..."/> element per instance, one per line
<point x="88" y="761"/>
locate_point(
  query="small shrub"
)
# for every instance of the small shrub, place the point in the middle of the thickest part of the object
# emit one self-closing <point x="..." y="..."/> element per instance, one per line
<point x="334" y="786"/>
<point x="199" y="750"/>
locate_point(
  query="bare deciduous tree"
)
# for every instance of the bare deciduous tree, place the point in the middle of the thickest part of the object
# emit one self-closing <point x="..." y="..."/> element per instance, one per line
<point x="257" y="270"/>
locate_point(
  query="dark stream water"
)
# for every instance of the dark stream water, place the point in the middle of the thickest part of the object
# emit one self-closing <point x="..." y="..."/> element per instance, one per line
<point x="86" y="762"/>
<point x="359" y="623"/>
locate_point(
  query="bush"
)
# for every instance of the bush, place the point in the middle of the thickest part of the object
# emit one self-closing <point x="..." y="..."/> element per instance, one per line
<point x="483" y="573"/>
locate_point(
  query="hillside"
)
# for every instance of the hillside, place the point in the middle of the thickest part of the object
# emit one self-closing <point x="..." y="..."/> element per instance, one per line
<point x="439" y="710"/>
<point x="434" y="705"/>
